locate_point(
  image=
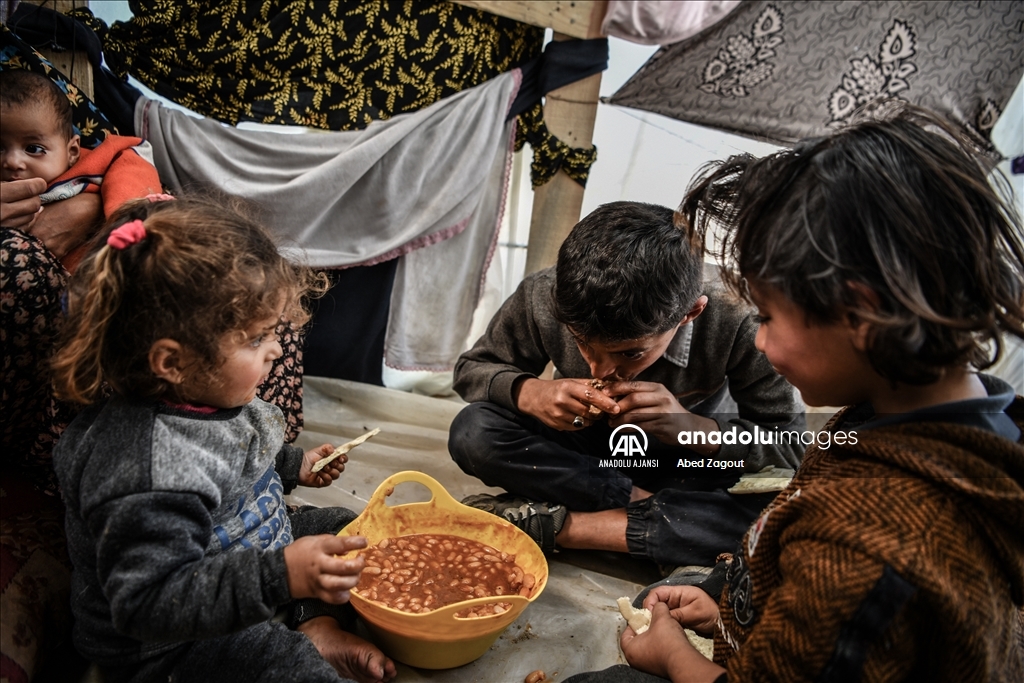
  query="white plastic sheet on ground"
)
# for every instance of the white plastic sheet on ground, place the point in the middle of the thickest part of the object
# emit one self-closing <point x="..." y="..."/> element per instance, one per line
<point x="573" y="626"/>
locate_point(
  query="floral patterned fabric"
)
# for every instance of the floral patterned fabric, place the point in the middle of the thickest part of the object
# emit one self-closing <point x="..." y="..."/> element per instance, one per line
<point x="787" y="70"/>
<point x="32" y="281"/>
<point x="331" y="65"/>
<point x="35" y="583"/>
<point x="283" y="387"/>
<point x="35" y="572"/>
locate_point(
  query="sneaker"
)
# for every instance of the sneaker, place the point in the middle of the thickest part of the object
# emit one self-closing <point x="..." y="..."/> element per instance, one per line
<point x="540" y="521"/>
<point x="681" y="576"/>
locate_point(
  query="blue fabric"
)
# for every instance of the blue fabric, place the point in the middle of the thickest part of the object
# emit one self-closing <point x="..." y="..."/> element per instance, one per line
<point x="988" y="413"/>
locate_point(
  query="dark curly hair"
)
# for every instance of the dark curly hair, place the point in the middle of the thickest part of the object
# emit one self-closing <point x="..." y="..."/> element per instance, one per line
<point x="627" y="271"/>
<point x="205" y="268"/>
<point x="19" y="87"/>
<point x="899" y="203"/>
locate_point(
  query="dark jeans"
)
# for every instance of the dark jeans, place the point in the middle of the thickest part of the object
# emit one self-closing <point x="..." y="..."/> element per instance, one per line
<point x="620" y="673"/>
<point x="268" y="651"/>
<point x="265" y="653"/>
<point x="685" y="522"/>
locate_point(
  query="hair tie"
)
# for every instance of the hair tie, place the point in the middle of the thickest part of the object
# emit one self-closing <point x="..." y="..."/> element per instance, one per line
<point x="159" y="197"/>
<point x="127" y="234"/>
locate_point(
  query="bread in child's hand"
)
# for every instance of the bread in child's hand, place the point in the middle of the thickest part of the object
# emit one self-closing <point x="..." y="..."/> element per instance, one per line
<point x="593" y="411"/>
<point x="343" y="449"/>
<point x="638" y="619"/>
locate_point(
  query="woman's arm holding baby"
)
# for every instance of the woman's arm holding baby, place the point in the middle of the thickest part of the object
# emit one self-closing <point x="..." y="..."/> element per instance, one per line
<point x="64" y="225"/>
<point x="60" y="226"/>
<point x="19" y="203"/>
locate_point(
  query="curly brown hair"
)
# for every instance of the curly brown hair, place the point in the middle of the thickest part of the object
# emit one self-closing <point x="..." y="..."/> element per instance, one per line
<point x="206" y="267"/>
<point x="899" y="203"/>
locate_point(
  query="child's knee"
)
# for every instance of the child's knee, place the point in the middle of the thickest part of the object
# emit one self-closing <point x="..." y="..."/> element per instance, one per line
<point x="471" y="437"/>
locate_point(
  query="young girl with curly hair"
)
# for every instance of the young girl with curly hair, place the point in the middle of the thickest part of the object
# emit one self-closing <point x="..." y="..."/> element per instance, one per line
<point x="182" y="546"/>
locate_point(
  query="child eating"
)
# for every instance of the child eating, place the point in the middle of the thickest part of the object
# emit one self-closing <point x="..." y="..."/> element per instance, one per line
<point x="885" y="269"/>
<point x="181" y="543"/>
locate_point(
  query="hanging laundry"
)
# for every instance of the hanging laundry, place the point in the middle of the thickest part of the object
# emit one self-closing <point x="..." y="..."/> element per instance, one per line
<point x="662" y="22"/>
<point x="433" y="177"/>
<point x="786" y="70"/>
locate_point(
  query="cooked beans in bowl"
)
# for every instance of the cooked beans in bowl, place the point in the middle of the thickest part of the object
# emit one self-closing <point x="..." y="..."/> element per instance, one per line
<point x="424" y="572"/>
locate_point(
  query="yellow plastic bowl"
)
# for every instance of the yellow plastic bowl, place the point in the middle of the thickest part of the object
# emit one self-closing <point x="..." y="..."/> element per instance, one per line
<point x="439" y="639"/>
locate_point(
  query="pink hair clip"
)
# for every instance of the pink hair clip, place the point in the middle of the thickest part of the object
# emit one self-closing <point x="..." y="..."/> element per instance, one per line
<point x="159" y="197"/>
<point x="127" y="234"/>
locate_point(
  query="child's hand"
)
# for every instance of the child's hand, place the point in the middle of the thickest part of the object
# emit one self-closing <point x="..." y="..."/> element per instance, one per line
<point x="333" y="470"/>
<point x="653" y="408"/>
<point x="663" y="650"/>
<point x="690" y="606"/>
<point x="314" y="571"/>
<point x="558" y="402"/>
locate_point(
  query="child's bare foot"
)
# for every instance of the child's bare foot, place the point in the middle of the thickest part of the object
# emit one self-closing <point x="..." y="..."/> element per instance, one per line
<point x="351" y="656"/>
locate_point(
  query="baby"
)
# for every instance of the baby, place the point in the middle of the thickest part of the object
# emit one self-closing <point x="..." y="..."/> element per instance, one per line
<point x="38" y="140"/>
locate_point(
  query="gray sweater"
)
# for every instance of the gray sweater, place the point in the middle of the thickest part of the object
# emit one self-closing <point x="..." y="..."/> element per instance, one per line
<point x="707" y="359"/>
<point x="176" y="523"/>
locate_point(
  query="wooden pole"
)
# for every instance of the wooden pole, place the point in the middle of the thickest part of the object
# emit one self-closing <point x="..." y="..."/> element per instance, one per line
<point x="75" y="65"/>
<point x="569" y="113"/>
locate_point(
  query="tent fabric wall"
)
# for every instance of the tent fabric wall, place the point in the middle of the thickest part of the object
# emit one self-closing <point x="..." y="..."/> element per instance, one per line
<point x="342" y="66"/>
<point x="362" y="197"/>
<point x="433" y="49"/>
<point x="787" y="70"/>
<point x="337" y="66"/>
<point x="662" y="22"/>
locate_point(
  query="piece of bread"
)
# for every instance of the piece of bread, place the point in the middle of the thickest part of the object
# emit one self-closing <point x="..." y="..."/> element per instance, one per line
<point x="343" y="449"/>
<point x="640" y="620"/>
<point x="594" y="411"/>
<point x="768" y="480"/>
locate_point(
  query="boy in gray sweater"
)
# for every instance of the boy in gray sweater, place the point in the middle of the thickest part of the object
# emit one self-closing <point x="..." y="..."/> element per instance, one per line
<point x="645" y="353"/>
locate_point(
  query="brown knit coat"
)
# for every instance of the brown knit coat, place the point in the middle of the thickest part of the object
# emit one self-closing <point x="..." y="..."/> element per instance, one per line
<point x="901" y="558"/>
